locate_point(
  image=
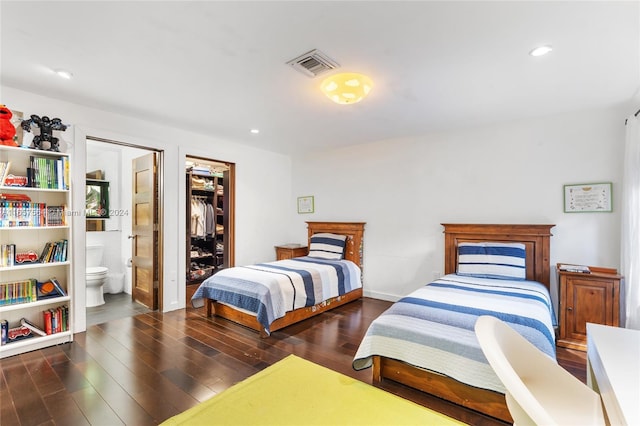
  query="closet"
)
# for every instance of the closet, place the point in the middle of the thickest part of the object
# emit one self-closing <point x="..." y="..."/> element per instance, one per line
<point x="209" y="220"/>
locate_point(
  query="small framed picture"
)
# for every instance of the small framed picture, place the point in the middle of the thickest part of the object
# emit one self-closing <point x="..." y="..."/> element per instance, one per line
<point x="587" y="197"/>
<point x="305" y="204"/>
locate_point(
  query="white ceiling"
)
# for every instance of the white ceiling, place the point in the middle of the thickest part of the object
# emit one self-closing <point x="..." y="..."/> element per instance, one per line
<point x="219" y="67"/>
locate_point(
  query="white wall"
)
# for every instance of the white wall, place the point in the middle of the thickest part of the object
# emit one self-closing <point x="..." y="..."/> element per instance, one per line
<point x="403" y="189"/>
<point x="263" y="189"/>
<point x="508" y="173"/>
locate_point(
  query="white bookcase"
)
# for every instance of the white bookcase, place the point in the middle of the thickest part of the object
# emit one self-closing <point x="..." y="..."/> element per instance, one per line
<point x="33" y="237"/>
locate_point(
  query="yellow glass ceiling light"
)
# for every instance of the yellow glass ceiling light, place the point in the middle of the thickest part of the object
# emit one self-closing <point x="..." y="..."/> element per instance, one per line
<point x="346" y="88"/>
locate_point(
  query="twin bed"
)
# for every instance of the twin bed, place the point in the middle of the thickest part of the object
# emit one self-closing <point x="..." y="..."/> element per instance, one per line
<point x="269" y="296"/>
<point x="426" y="339"/>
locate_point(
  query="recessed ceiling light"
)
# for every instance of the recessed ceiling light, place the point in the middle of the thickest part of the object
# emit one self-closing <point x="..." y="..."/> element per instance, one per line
<point x="541" y="50"/>
<point x="64" y="74"/>
<point x="255" y="131"/>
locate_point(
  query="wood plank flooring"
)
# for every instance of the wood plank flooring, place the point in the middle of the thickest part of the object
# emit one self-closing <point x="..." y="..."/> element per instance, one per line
<point x="144" y="369"/>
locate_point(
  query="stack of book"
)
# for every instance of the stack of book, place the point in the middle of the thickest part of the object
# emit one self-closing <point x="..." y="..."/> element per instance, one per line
<point x="14" y="292"/>
<point x="574" y="268"/>
<point x="22" y="213"/>
<point x="7" y="254"/>
<point x="48" y="173"/>
<point x="56" y="320"/>
<point x="54" y="252"/>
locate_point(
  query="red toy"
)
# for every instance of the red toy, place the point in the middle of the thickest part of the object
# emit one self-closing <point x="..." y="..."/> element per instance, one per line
<point x="7" y="129"/>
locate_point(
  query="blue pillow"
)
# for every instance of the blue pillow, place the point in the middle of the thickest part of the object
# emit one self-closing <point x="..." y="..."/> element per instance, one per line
<point x="327" y="246"/>
<point x="492" y="260"/>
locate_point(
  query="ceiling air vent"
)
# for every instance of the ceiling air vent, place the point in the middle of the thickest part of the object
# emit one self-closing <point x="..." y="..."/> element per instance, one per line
<point x="313" y="63"/>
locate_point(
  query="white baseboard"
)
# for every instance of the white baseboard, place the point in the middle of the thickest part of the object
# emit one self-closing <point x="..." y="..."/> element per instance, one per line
<point x="381" y="296"/>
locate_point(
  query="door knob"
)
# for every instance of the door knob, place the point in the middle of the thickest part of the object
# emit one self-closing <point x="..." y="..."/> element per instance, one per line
<point x="131" y="236"/>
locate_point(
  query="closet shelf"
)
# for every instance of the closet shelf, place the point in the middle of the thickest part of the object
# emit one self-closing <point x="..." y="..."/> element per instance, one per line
<point x="206" y="226"/>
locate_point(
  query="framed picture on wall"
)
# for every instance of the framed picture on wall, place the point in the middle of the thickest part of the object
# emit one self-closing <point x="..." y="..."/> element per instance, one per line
<point x="305" y="204"/>
<point x="587" y="197"/>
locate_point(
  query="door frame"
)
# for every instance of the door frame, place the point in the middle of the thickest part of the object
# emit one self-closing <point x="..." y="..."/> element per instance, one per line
<point x="159" y="203"/>
<point x="231" y="255"/>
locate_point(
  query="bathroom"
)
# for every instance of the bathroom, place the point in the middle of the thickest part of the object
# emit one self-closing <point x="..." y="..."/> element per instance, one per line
<point x="107" y="240"/>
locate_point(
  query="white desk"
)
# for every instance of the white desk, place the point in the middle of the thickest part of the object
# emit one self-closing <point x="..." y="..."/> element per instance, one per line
<point x="613" y="370"/>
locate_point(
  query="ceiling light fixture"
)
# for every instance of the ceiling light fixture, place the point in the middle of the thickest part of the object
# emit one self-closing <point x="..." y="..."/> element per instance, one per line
<point x="346" y="88"/>
<point x="64" y="74"/>
<point x="541" y="50"/>
<point x="255" y="131"/>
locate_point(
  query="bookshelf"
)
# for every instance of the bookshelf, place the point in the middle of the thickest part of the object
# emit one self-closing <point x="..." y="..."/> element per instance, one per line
<point x="30" y="217"/>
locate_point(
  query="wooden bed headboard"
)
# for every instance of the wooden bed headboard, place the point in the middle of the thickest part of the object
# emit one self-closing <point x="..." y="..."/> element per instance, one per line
<point x="536" y="239"/>
<point x="353" y="230"/>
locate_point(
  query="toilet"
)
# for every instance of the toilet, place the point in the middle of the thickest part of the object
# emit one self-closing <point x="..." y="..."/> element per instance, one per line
<point x="96" y="276"/>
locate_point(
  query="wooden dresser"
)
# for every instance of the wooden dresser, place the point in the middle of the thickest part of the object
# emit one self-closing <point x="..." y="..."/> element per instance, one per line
<point x="289" y="251"/>
<point x="587" y="297"/>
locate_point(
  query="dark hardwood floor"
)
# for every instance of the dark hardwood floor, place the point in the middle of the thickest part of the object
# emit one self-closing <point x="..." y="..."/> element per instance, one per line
<point x="144" y="369"/>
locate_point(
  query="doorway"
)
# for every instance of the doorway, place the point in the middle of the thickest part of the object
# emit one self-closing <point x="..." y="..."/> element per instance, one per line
<point x="210" y="189"/>
<point x="128" y="234"/>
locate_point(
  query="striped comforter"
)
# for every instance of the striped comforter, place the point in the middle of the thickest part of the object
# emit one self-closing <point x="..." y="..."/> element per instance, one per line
<point x="270" y="290"/>
<point x="433" y="327"/>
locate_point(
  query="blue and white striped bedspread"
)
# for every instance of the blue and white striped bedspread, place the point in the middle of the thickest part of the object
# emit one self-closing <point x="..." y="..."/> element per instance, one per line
<point x="433" y="327"/>
<point x="270" y="290"/>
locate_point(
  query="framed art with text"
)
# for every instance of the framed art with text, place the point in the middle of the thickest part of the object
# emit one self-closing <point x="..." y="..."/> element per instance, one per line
<point x="587" y="197"/>
<point x="305" y="204"/>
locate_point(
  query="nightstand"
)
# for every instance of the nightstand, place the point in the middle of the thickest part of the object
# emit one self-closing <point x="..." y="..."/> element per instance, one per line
<point x="587" y="297"/>
<point x="289" y="251"/>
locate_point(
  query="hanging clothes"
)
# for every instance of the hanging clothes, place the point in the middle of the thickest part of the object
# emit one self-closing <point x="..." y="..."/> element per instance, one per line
<point x="210" y="220"/>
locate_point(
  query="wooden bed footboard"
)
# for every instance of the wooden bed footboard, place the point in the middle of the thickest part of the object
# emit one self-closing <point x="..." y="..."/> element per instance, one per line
<point x="354" y="231"/>
<point x="482" y="400"/>
<point x="225" y="311"/>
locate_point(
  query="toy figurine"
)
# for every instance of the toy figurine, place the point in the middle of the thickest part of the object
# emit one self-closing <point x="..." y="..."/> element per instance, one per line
<point x="7" y="129"/>
<point x="46" y="127"/>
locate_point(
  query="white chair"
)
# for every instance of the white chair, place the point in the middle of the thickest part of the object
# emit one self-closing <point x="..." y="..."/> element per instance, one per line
<point x="538" y="390"/>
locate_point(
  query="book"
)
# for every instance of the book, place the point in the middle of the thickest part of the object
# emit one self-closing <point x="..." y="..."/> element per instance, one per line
<point x="4" y="170"/>
<point x="574" y="268"/>
<point x="54" y="321"/>
<point x="59" y="288"/>
<point x="48" y="289"/>
<point x="43" y="255"/>
<point x="55" y="215"/>
<point x="4" y="331"/>
<point x="58" y="314"/>
<point x="46" y="316"/>
<point x="25" y="323"/>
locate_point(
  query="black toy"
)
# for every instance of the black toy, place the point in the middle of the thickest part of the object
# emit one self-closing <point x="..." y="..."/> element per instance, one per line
<point x="46" y="127"/>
